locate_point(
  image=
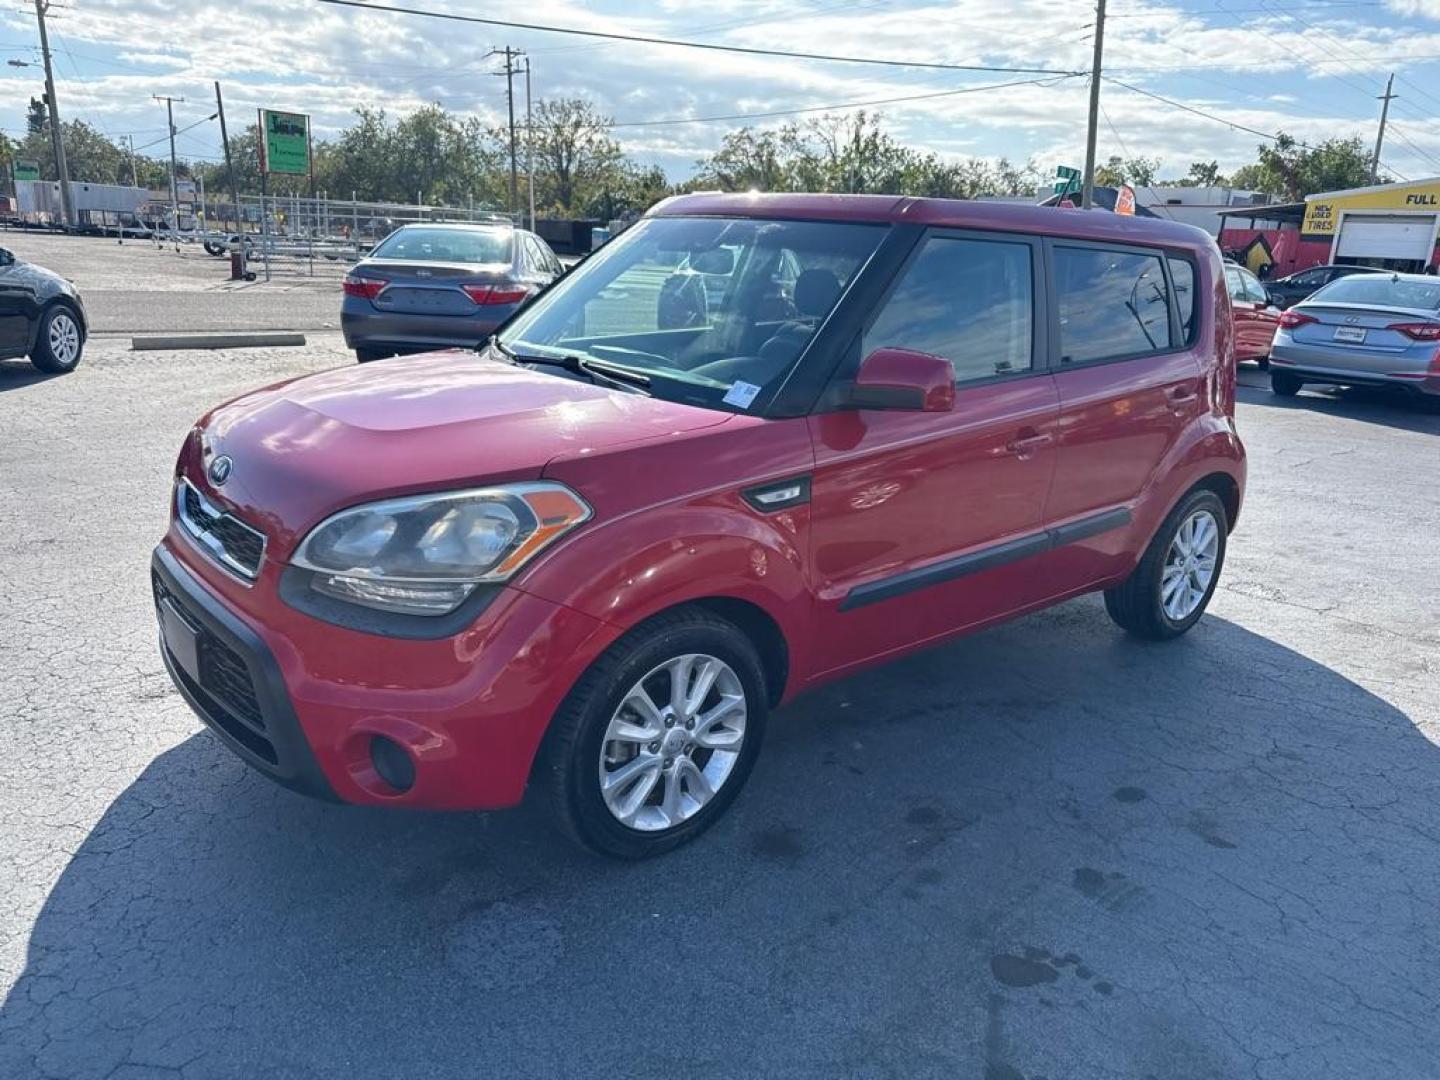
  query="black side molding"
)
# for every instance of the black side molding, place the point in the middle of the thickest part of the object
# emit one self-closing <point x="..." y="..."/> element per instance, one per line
<point x="985" y="559"/>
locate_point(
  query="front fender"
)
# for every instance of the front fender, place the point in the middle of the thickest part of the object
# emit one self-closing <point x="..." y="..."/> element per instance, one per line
<point x="715" y="546"/>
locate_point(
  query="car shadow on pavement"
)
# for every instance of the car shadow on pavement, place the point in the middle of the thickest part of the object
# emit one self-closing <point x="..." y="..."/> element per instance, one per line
<point x="1397" y="409"/>
<point x="18" y="374"/>
<point x="1047" y="850"/>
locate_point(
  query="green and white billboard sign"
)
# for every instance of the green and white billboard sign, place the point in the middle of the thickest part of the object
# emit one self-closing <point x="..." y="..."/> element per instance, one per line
<point x="27" y="170"/>
<point x="285" y="143"/>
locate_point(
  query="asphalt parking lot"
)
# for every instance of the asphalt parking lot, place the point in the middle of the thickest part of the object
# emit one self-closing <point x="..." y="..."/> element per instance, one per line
<point x="142" y="287"/>
<point x="1045" y="851"/>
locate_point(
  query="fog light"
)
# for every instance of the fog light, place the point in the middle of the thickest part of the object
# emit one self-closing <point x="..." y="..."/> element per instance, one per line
<point x="392" y="763"/>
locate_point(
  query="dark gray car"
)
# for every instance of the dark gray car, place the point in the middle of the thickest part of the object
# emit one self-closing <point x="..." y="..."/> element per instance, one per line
<point x="41" y="316"/>
<point x="430" y="287"/>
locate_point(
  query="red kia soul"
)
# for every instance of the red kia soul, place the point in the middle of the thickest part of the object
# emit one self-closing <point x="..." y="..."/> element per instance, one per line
<point x="753" y="444"/>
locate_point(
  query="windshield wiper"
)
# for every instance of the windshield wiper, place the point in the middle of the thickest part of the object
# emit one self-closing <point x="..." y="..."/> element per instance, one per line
<point x="597" y="371"/>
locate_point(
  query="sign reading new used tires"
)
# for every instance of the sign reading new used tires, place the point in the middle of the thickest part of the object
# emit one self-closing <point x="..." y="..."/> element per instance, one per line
<point x="285" y="142"/>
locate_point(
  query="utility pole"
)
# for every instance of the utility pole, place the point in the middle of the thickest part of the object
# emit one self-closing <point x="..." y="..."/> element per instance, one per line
<point x="511" y="55"/>
<point x="134" y="174"/>
<point x="1087" y="193"/>
<point x="1380" y="137"/>
<point x="229" y="168"/>
<point x="57" y="138"/>
<point x="174" y="197"/>
<point x="529" y="145"/>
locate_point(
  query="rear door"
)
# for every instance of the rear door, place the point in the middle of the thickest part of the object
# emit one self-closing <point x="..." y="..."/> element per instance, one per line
<point x="925" y="522"/>
<point x="1129" y="383"/>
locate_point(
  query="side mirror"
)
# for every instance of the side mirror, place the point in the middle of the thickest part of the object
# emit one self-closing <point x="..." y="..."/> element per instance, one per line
<point x="904" y="379"/>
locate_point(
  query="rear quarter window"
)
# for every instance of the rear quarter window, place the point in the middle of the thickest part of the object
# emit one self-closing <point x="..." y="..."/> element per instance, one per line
<point x="1113" y="304"/>
<point x="1182" y="280"/>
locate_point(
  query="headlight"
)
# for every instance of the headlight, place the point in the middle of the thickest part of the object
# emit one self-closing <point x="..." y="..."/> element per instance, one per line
<point x="423" y="555"/>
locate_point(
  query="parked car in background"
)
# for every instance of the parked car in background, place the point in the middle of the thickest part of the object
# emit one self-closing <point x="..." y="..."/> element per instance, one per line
<point x="1291" y="290"/>
<point x="594" y="556"/>
<point x="427" y="287"/>
<point x="1362" y="330"/>
<point x="41" y="316"/>
<point x="1253" y="316"/>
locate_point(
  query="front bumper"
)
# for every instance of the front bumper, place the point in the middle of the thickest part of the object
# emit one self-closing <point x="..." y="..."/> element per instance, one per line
<point x="302" y="700"/>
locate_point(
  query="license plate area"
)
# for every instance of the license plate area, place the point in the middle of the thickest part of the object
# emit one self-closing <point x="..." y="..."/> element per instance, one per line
<point x="1355" y="335"/>
<point x="181" y="639"/>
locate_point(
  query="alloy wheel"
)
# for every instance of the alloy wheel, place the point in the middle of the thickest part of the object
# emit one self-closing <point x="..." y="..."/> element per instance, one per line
<point x="1189" y="565"/>
<point x="672" y="742"/>
<point x="63" y="338"/>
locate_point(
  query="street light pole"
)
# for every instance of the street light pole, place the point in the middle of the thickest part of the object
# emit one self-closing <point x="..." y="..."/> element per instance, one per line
<point x="57" y="138"/>
<point x="1087" y="193"/>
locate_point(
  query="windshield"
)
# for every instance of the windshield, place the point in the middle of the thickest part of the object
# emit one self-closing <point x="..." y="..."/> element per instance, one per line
<point x="1380" y="290"/>
<point x="716" y="312"/>
<point x="422" y="244"/>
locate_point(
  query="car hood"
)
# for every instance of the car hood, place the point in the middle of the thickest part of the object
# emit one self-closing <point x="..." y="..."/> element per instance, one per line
<point x="303" y="449"/>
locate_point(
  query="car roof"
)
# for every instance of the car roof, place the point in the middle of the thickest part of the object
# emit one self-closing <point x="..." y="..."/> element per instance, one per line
<point x="952" y="213"/>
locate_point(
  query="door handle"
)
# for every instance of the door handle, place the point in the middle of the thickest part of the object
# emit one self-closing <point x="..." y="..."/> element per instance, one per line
<point x="1182" y="396"/>
<point x="1027" y="441"/>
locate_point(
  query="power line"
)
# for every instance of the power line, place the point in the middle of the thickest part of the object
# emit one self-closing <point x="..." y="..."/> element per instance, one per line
<point x="646" y="40"/>
<point x="837" y="107"/>
<point x="1235" y="124"/>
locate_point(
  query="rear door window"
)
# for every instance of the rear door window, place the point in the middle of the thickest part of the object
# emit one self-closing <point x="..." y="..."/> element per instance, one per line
<point x="1254" y="291"/>
<point x="969" y="301"/>
<point x="1113" y="304"/>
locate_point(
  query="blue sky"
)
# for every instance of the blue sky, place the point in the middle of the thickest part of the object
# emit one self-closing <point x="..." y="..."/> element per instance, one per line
<point x="1309" y="67"/>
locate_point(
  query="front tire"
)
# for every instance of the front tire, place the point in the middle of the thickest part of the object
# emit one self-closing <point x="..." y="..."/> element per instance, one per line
<point x="60" y="341"/>
<point x="658" y="737"/>
<point x="1285" y="384"/>
<point x="1169" y="590"/>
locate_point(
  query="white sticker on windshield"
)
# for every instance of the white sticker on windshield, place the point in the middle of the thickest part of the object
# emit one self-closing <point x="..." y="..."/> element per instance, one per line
<point x="741" y="394"/>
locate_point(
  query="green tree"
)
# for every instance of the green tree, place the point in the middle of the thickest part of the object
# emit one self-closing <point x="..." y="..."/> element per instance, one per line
<point x="1134" y="171"/>
<point x="579" y="167"/>
<point x="37" y="117"/>
<point x="1294" y="171"/>
<point x="1204" y="174"/>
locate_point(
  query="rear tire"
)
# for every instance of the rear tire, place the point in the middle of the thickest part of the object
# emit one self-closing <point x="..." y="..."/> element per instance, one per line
<point x="582" y="743"/>
<point x="1285" y="384"/>
<point x="60" y="342"/>
<point x="1142" y="604"/>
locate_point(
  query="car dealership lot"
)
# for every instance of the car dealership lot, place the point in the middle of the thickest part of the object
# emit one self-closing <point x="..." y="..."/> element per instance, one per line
<point x="1045" y="851"/>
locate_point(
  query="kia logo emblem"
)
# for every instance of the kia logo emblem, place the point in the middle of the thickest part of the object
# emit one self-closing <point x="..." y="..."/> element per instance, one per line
<point x="220" y="469"/>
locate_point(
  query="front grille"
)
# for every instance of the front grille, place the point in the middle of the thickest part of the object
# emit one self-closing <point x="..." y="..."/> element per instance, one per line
<point x="220" y="534"/>
<point x="224" y="685"/>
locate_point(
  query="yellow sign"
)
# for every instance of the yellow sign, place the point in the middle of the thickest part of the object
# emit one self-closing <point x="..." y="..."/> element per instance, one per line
<point x="1322" y="212"/>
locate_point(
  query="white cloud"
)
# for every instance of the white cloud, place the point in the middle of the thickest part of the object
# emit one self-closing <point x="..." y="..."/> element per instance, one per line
<point x="1267" y="71"/>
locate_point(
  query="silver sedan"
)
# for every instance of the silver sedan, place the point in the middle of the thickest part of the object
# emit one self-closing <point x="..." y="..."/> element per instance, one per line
<point x="1365" y="330"/>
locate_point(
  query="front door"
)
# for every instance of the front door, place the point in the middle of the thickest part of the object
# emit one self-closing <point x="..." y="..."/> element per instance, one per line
<point x="921" y="521"/>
